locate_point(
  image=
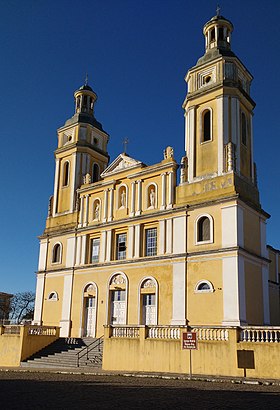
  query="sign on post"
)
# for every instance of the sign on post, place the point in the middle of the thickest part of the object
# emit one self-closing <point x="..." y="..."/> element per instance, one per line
<point x="189" y="341"/>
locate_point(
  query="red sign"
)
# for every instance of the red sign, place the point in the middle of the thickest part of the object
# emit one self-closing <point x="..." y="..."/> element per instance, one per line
<point x="189" y="341"/>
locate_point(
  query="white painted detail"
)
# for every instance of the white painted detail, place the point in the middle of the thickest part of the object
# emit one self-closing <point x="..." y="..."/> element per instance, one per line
<point x="72" y="182"/>
<point x="109" y="245"/>
<point x="240" y="226"/>
<point x="225" y="120"/>
<point x="139" y="197"/>
<point x="179" y="294"/>
<point x="220" y="136"/>
<point x="111" y="208"/>
<point x="103" y="246"/>
<point x="70" y="252"/>
<point x="163" y="191"/>
<point x="229" y="226"/>
<point x="78" y="250"/>
<point x="39" y="299"/>
<point x="234" y="298"/>
<point x="132" y="206"/>
<point x="137" y="241"/>
<point x="265" y="285"/>
<point x="105" y="211"/>
<point x="191" y="152"/>
<point x="264" y="251"/>
<point x="43" y="254"/>
<point x="84" y="248"/>
<point x="180" y="234"/>
<point x="56" y="183"/>
<point x="66" y="306"/>
<point x="162" y="236"/>
<point x="130" y="244"/>
<point x="169" y="235"/>
<point x="86" y="210"/>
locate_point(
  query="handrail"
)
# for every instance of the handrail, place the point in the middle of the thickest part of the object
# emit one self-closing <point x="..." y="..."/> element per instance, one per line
<point x="88" y="348"/>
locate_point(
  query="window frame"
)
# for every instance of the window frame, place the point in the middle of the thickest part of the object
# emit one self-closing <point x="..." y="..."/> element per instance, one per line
<point x="66" y="172"/>
<point x="201" y="282"/>
<point x="146" y="230"/>
<point x="202" y="127"/>
<point x="57" y="245"/>
<point x="211" y="228"/>
<point x="91" y="249"/>
<point x="117" y="251"/>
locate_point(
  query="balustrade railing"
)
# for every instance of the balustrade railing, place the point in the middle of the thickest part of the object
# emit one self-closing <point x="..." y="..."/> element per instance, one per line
<point x="42" y="330"/>
<point x="260" y="334"/>
<point x="126" y="331"/>
<point x="209" y="334"/>
<point x="11" y="330"/>
<point x="164" y="332"/>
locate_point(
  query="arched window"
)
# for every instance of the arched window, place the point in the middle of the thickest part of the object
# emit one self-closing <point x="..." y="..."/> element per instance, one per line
<point x="148" y="301"/>
<point x="212" y="35"/>
<point x="204" y="286"/>
<point x="57" y="252"/>
<point x="220" y="33"/>
<point x="117" y="299"/>
<point x="95" y="173"/>
<point x="53" y="296"/>
<point x="204" y="229"/>
<point x="243" y="129"/>
<point x="66" y="167"/>
<point x="206" y="126"/>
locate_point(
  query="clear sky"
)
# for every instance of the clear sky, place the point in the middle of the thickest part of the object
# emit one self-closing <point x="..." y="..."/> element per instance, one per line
<point x="136" y="54"/>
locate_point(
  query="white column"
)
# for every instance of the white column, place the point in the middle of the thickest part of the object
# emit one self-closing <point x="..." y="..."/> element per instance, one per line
<point x="43" y="254"/>
<point x="163" y="191"/>
<point x="139" y="198"/>
<point x="191" y="138"/>
<point x="220" y="134"/>
<point x="171" y="190"/>
<point x="161" y="244"/>
<point x="111" y="209"/>
<point x="235" y="129"/>
<point x="56" y="183"/>
<point x="137" y="242"/>
<point x="179" y="294"/>
<point x="105" y="210"/>
<point x="70" y="252"/>
<point x="66" y="306"/>
<point x="78" y="250"/>
<point x="81" y="218"/>
<point x="103" y="246"/>
<point x="84" y="249"/>
<point x="86" y="211"/>
<point x="132" y="207"/>
<point x="169" y="235"/>
<point x="180" y="235"/>
<point x="39" y="299"/>
<point x="265" y="285"/>
<point x="130" y="242"/>
<point x="109" y="245"/>
<point x="72" y="182"/>
<point x="234" y="297"/>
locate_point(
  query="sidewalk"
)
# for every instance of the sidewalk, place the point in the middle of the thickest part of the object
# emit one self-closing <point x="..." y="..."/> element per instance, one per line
<point x="167" y="376"/>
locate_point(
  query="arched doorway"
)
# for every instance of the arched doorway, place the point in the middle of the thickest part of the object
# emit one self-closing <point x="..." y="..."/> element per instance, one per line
<point x="117" y="299"/>
<point x="148" y="302"/>
<point x="90" y="299"/>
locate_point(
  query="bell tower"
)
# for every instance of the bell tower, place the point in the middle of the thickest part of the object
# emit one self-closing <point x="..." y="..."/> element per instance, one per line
<point x="81" y="151"/>
<point x="219" y="110"/>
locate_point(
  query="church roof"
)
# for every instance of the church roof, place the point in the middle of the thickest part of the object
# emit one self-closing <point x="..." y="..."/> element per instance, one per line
<point x="121" y="163"/>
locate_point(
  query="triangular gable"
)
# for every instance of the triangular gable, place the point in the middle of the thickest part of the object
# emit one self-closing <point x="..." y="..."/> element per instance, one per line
<point x="122" y="162"/>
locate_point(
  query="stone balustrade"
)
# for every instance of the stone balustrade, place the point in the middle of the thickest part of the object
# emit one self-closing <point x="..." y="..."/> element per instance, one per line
<point x="126" y="331"/>
<point x="211" y="333"/>
<point x="255" y="334"/>
<point x="164" y="332"/>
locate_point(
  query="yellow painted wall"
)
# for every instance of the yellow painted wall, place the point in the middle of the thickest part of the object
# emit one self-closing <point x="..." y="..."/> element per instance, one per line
<point x="252" y="236"/>
<point x="205" y="308"/>
<point x="51" y="314"/>
<point x="254" y="295"/>
<point x="217" y="358"/>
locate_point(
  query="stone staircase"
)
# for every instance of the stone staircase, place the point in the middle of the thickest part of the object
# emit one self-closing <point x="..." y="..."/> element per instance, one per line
<point x="68" y="353"/>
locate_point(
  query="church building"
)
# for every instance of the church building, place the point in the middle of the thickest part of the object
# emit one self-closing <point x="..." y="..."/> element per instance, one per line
<point x="127" y="243"/>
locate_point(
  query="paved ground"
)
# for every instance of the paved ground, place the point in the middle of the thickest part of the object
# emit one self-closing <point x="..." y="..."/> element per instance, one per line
<point x="45" y="390"/>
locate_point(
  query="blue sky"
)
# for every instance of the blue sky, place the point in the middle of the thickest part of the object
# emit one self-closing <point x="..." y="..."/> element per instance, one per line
<point x="136" y="54"/>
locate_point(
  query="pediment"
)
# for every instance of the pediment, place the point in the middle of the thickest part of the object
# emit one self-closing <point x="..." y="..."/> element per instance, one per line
<point x="121" y="163"/>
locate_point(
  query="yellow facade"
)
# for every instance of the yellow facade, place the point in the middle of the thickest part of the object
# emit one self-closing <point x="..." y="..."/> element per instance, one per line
<point x="130" y="244"/>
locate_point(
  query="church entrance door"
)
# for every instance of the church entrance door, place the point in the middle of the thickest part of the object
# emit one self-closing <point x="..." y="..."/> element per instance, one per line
<point x="118" y="307"/>
<point x="90" y="317"/>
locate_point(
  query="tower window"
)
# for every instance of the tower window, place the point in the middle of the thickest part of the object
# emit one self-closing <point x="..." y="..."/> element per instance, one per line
<point x="204" y="229"/>
<point x="95" y="173"/>
<point x="56" y="255"/>
<point x="204" y="286"/>
<point x="65" y="181"/>
<point x="206" y="123"/>
<point x="151" y="242"/>
<point x="221" y="34"/>
<point x="243" y="129"/>
<point x="212" y="35"/>
<point x="95" y="245"/>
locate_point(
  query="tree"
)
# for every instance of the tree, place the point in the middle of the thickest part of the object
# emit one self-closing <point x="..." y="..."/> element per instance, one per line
<point x="22" y="306"/>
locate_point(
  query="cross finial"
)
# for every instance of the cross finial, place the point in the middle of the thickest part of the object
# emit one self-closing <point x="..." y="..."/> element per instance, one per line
<point x="218" y="10"/>
<point x="86" y="79"/>
<point x="125" y="143"/>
